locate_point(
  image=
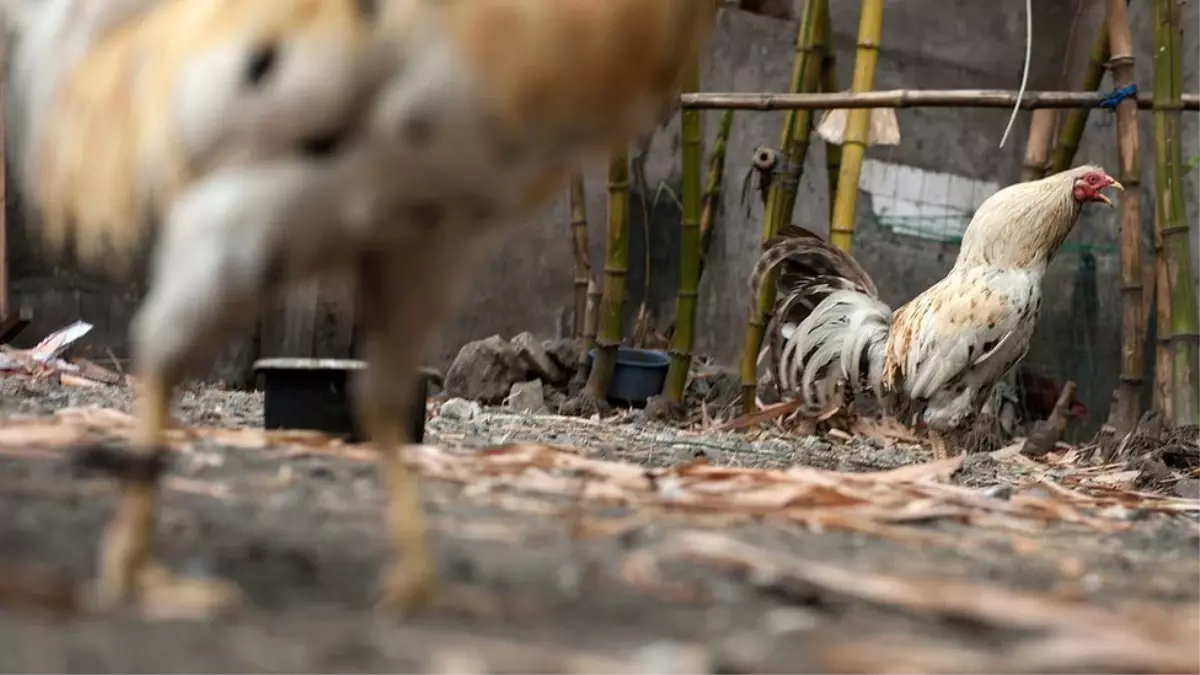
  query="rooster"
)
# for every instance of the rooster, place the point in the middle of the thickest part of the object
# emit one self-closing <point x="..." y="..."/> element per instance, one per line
<point x="268" y="142"/>
<point x="939" y="355"/>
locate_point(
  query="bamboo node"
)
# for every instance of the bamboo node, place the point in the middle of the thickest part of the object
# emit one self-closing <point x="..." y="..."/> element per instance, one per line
<point x="866" y="44"/>
<point x="616" y="271"/>
<point x="1119" y="60"/>
<point x="1175" y="229"/>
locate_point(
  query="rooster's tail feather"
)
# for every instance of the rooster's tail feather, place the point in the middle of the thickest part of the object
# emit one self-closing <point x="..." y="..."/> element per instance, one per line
<point x="828" y="317"/>
<point x="842" y="340"/>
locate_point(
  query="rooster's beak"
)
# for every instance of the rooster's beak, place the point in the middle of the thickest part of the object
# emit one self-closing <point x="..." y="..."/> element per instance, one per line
<point x="1104" y="198"/>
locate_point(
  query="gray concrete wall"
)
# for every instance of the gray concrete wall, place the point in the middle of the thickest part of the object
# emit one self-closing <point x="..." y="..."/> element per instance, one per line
<point x="927" y="44"/>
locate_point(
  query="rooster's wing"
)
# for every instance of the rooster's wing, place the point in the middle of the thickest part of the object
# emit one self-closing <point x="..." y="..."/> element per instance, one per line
<point x="975" y="321"/>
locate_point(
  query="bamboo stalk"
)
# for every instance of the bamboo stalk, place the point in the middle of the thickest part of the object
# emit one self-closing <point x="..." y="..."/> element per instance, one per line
<point x="1037" y="148"/>
<point x="579" y="240"/>
<point x="1184" y="324"/>
<point x="1127" y="401"/>
<point x="773" y="213"/>
<point x="712" y="193"/>
<point x="833" y="152"/>
<point x="1163" y="367"/>
<point x="684" y="338"/>
<point x="854" y="145"/>
<point x="616" y="268"/>
<point x="802" y="125"/>
<point x="1076" y="121"/>
<point x="911" y="98"/>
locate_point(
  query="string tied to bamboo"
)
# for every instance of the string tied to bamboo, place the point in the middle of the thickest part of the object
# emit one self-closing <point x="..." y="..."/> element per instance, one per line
<point x="1113" y="98"/>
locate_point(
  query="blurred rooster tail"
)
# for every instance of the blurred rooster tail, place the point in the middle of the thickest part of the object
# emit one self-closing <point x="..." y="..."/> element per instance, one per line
<point x="829" y="326"/>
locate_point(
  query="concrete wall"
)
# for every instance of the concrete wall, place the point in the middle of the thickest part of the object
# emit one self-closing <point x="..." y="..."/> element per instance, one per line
<point x="927" y="44"/>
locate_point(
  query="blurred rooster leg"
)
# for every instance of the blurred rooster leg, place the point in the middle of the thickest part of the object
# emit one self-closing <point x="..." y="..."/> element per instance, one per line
<point x="938" y="441"/>
<point x="409" y="581"/>
<point x="127" y="571"/>
<point x="394" y="328"/>
<point x="405" y="297"/>
<point x="125" y="546"/>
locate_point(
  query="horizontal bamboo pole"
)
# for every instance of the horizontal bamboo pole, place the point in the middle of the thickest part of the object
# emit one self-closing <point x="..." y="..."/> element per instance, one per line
<point x="911" y="98"/>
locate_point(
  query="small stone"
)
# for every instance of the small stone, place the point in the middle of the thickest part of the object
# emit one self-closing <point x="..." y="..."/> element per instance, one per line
<point x="484" y="371"/>
<point x="999" y="491"/>
<point x="536" y="360"/>
<point x="564" y="352"/>
<point x="528" y="398"/>
<point x="459" y="409"/>
<point x="1188" y="488"/>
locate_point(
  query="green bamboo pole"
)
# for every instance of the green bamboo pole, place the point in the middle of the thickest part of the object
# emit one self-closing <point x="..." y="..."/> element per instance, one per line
<point x="802" y="126"/>
<point x="833" y="151"/>
<point x="712" y="193"/>
<point x="579" y="244"/>
<point x="854" y="146"/>
<point x="684" y="338"/>
<point x="1169" y="189"/>
<point x="774" y="214"/>
<point x="616" y="267"/>
<point x="1127" y="401"/>
<point x="1071" y="132"/>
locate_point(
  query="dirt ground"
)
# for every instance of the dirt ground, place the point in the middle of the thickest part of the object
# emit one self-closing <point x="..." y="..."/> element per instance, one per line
<point x="609" y="546"/>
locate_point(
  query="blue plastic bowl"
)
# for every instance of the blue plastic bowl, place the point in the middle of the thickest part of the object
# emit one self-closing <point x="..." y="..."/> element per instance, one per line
<point x="639" y="374"/>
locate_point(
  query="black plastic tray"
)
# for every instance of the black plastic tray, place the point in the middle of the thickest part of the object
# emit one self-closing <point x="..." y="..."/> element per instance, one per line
<point x="315" y="394"/>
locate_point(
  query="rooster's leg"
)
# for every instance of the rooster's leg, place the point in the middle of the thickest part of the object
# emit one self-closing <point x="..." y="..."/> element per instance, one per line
<point x="938" y="441"/>
<point x="205" y="283"/>
<point x="127" y="571"/>
<point x="405" y="296"/>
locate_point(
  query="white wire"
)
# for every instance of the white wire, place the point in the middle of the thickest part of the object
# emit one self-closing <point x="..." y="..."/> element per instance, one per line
<point x="1025" y="75"/>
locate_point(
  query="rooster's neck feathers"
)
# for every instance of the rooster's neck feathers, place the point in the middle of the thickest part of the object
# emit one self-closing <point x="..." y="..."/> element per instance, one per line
<point x="1022" y="225"/>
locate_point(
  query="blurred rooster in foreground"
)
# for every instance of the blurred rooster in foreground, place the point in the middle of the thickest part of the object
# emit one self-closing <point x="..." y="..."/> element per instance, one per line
<point x="267" y="142"/>
<point x="939" y="355"/>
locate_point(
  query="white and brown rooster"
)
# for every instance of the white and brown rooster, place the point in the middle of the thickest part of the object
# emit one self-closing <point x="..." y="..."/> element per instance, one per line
<point x="268" y="142"/>
<point x="940" y="354"/>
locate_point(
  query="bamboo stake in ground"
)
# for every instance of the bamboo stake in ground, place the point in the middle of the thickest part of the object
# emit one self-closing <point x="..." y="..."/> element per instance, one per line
<point x="802" y="125"/>
<point x="1037" y="148"/>
<point x="1076" y="120"/>
<point x="1127" y="402"/>
<point x="712" y="193"/>
<point x="1169" y="189"/>
<point x="854" y="147"/>
<point x="684" y="338"/>
<point x="773" y="213"/>
<point x="1164" y="371"/>
<point x="616" y="268"/>
<point x="829" y="85"/>
<point x="583" y="266"/>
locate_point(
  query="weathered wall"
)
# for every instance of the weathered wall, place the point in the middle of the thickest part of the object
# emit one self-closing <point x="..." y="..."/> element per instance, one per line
<point x="927" y="44"/>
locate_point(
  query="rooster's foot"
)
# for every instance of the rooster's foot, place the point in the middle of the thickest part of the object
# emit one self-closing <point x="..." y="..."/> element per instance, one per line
<point x="159" y="594"/>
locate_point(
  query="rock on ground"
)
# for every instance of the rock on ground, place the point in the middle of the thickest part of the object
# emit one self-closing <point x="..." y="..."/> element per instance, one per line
<point x="528" y="397"/>
<point x="484" y="371"/>
<point x="536" y="360"/>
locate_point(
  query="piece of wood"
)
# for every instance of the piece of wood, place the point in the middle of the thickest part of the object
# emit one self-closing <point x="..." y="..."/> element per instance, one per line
<point x="911" y="98"/>
<point x="11" y="325"/>
<point x="316" y="319"/>
<point x="1037" y="149"/>
<point x="4" y="299"/>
